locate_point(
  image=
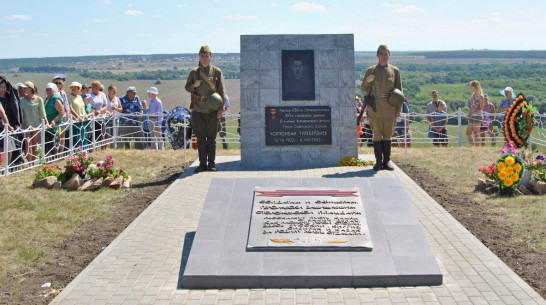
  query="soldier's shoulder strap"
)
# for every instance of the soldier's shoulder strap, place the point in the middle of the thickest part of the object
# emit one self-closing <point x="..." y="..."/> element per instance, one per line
<point x="207" y="79"/>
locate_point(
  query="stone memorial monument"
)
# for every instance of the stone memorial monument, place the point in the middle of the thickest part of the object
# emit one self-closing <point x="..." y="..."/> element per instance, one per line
<point x="297" y="100"/>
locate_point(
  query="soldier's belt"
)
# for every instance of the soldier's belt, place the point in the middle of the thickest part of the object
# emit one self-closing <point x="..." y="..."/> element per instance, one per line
<point x="383" y="95"/>
<point x="202" y="98"/>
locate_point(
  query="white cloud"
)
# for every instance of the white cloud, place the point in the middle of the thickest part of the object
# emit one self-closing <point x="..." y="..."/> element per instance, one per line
<point x="43" y="35"/>
<point x="402" y="9"/>
<point x="409" y="9"/>
<point x="194" y="26"/>
<point x="99" y="20"/>
<point x="18" y="17"/>
<point x="107" y="2"/>
<point x="145" y="35"/>
<point x="156" y="16"/>
<point x="182" y="5"/>
<point x="388" y="5"/>
<point x="133" y="12"/>
<point x="275" y="5"/>
<point x="15" y="31"/>
<point x="308" y="7"/>
<point x="239" y="17"/>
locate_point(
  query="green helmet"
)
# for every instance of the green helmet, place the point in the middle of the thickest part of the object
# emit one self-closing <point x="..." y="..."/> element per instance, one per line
<point x="214" y="102"/>
<point x="396" y="98"/>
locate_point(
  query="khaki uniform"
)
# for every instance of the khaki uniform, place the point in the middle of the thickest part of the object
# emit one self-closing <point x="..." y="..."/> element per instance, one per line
<point x="215" y="75"/>
<point x="383" y="120"/>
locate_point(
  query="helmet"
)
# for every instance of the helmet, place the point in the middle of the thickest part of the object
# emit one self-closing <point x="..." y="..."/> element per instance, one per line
<point x="214" y="102"/>
<point x="396" y="98"/>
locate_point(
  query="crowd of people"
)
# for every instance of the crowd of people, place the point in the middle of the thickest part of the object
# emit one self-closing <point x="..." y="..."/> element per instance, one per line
<point x="21" y="106"/>
<point x="482" y="118"/>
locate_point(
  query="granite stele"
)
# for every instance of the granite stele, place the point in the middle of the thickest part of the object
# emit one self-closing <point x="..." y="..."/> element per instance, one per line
<point x="330" y="232"/>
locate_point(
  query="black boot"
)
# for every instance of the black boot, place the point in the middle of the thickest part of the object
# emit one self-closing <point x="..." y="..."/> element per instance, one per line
<point x="378" y="151"/>
<point x="202" y="151"/>
<point x="211" y="153"/>
<point x="387" y="155"/>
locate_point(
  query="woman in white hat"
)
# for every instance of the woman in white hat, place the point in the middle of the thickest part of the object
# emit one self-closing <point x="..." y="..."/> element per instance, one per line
<point x="155" y="110"/>
<point x="77" y="108"/>
<point x="32" y="107"/>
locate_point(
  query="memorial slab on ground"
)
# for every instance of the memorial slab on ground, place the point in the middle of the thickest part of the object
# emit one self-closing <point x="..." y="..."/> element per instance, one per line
<point x="218" y="258"/>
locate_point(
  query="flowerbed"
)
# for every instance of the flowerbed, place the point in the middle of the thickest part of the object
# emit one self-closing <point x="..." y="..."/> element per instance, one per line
<point x="80" y="173"/>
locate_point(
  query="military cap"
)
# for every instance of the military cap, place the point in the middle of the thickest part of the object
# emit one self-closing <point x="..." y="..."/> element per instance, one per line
<point x="205" y="49"/>
<point x="383" y="47"/>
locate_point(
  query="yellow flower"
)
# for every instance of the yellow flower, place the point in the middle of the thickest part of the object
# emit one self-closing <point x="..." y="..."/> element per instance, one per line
<point x="501" y="166"/>
<point x="339" y="164"/>
<point x="509" y="170"/>
<point x="510" y="160"/>
<point x="508" y="182"/>
<point x="515" y="177"/>
<point x="367" y="163"/>
<point x="502" y="175"/>
<point x="517" y="167"/>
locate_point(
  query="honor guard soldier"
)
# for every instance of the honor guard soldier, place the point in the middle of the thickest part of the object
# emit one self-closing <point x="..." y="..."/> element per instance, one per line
<point x="208" y="96"/>
<point x="384" y="84"/>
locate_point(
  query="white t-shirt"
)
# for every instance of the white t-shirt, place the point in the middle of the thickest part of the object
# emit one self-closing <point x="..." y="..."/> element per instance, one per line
<point x="112" y="105"/>
<point x="98" y="101"/>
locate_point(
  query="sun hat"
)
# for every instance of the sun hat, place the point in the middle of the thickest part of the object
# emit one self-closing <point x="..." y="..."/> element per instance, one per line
<point x="75" y="84"/>
<point x="509" y="89"/>
<point x="153" y="90"/>
<point x="19" y="85"/>
<point x="28" y="84"/>
<point x="52" y="86"/>
<point x="129" y="89"/>
<point x="486" y="96"/>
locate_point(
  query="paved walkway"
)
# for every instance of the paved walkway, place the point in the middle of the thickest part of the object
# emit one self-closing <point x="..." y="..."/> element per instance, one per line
<point x="142" y="265"/>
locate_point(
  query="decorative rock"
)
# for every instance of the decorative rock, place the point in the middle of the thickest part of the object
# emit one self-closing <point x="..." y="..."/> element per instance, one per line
<point x="481" y="184"/>
<point x="489" y="183"/>
<point x="57" y="185"/>
<point x="85" y="186"/>
<point x="96" y="183"/>
<point x="117" y="183"/>
<point x="492" y="189"/>
<point x="127" y="182"/>
<point x="518" y="192"/>
<point x="107" y="181"/>
<point x="73" y="183"/>
<point x="47" y="182"/>
<point x="524" y="190"/>
<point x="538" y="187"/>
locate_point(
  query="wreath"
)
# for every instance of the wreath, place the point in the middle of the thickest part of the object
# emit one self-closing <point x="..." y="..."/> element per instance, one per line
<point x="518" y="122"/>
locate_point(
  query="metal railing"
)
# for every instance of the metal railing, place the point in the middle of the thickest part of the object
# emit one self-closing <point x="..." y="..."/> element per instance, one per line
<point x="25" y="149"/>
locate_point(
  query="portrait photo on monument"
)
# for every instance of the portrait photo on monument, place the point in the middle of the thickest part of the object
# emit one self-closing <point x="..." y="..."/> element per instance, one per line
<point x="298" y="75"/>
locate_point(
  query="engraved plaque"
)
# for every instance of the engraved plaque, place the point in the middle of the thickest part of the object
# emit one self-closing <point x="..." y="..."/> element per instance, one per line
<point x="298" y="125"/>
<point x="308" y="219"/>
<point x="298" y="75"/>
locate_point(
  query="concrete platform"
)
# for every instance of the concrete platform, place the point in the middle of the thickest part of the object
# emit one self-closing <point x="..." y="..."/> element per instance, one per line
<point x="219" y="259"/>
<point x="143" y="264"/>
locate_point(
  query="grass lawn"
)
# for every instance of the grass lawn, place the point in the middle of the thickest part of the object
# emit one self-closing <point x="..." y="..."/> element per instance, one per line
<point x="33" y="220"/>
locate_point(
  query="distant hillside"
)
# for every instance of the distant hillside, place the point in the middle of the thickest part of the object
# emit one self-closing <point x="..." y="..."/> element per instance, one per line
<point x="477" y="54"/>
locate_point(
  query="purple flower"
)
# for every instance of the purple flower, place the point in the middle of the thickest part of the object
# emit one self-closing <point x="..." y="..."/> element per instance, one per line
<point x="540" y="157"/>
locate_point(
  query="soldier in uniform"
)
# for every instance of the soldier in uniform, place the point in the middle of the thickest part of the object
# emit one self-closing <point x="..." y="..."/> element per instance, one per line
<point x="203" y="120"/>
<point x="380" y="80"/>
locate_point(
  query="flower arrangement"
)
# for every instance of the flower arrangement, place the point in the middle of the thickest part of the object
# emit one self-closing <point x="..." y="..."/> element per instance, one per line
<point x="105" y="170"/>
<point x="536" y="164"/>
<point x="508" y="172"/>
<point x="355" y="162"/>
<point x="526" y="120"/>
<point x="46" y="171"/>
<point x="518" y="122"/>
<point x="488" y="171"/>
<point x="78" y="163"/>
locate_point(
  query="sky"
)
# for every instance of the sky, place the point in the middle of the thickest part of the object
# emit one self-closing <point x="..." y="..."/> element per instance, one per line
<point x="115" y="27"/>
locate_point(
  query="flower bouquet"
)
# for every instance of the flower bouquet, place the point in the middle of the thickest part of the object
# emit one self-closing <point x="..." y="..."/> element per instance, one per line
<point x="355" y="162"/>
<point x="78" y="163"/>
<point x="488" y="171"/>
<point x="508" y="172"/>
